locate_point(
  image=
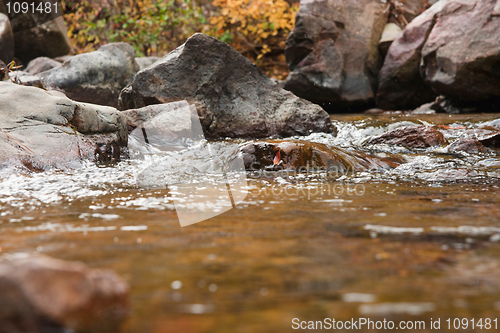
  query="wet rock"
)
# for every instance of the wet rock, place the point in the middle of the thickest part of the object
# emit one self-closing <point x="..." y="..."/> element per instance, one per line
<point x="40" y="290"/>
<point x="411" y="137"/>
<point x="467" y="145"/>
<point x="333" y="52"/>
<point x="461" y="56"/>
<point x="42" y="129"/>
<point x="144" y="62"/>
<point x="306" y="156"/>
<point x="400" y="83"/>
<point x="6" y="39"/>
<point x="491" y="140"/>
<point x="390" y="33"/>
<point x="233" y="98"/>
<point x="47" y="39"/>
<point x="442" y="104"/>
<point x="95" y="77"/>
<point x="41" y="64"/>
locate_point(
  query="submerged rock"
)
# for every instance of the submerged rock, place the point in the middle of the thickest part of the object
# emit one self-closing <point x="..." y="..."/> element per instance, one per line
<point x="39" y="290"/>
<point x="233" y="98"/>
<point x="41" y="129"/>
<point x="306" y="156"/>
<point x="411" y="137"/>
<point x="333" y="52"/>
<point x="95" y="77"/>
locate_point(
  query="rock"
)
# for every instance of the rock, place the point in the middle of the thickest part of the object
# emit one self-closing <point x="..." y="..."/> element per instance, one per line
<point x="390" y="33"/>
<point x="95" y="77"/>
<point x="36" y="35"/>
<point x="451" y="49"/>
<point x="70" y="294"/>
<point x="466" y="145"/>
<point x="41" y="64"/>
<point x="411" y="137"/>
<point x="309" y="156"/>
<point x="6" y="39"/>
<point x="233" y="98"/>
<point x="461" y="56"/>
<point x="400" y="83"/>
<point x="404" y="11"/>
<point x="144" y="62"/>
<point x="43" y="129"/>
<point x="176" y="120"/>
<point x="333" y="52"/>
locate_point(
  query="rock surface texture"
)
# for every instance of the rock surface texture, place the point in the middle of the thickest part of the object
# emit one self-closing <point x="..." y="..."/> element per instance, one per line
<point x="333" y="52"/>
<point x="39" y="290"/>
<point x="233" y="98"/>
<point x="411" y="137"/>
<point x="451" y="49"/>
<point x="95" y="77"/>
<point x="41" y="129"/>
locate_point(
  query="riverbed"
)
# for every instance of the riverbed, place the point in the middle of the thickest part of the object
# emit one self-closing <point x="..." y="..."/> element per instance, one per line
<point x="418" y="242"/>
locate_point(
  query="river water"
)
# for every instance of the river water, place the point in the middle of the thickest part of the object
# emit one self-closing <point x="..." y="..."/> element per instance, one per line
<point x="417" y="242"/>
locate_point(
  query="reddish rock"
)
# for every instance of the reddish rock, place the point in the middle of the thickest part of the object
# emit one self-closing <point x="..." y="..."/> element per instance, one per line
<point x="467" y="145"/>
<point x="411" y="137"/>
<point x="66" y="293"/>
<point x="400" y="83"/>
<point x="333" y="52"/>
<point x="309" y="156"/>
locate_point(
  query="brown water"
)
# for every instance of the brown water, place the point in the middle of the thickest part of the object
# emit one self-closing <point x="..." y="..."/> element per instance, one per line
<point x="414" y="243"/>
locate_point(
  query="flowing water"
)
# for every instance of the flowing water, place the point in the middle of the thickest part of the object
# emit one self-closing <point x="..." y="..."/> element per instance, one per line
<point x="416" y="242"/>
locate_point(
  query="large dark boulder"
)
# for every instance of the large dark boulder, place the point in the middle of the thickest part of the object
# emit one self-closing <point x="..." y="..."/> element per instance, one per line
<point x="39" y="290"/>
<point x="40" y="34"/>
<point x="95" y="77"/>
<point x="233" y="98"/>
<point x="411" y="137"/>
<point x="461" y="56"/>
<point x="451" y="49"/>
<point x="333" y="52"/>
<point x="42" y="129"/>
<point x="6" y="39"/>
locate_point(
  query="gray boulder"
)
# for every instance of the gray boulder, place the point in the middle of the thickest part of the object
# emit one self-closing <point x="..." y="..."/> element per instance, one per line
<point x="41" y="64"/>
<point x="42" y="129"/>
<point x="333" y="52"/>
<point x="6" y="39"/>
<point x="233" y="98"/>
<point x="95" y="77"/>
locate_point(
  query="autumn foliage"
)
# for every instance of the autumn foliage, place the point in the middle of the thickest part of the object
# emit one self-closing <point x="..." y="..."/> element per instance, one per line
<point x="256" y="28"/>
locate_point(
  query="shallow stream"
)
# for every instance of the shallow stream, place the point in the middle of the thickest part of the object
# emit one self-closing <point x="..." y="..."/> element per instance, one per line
<point x="416" y="242"/>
